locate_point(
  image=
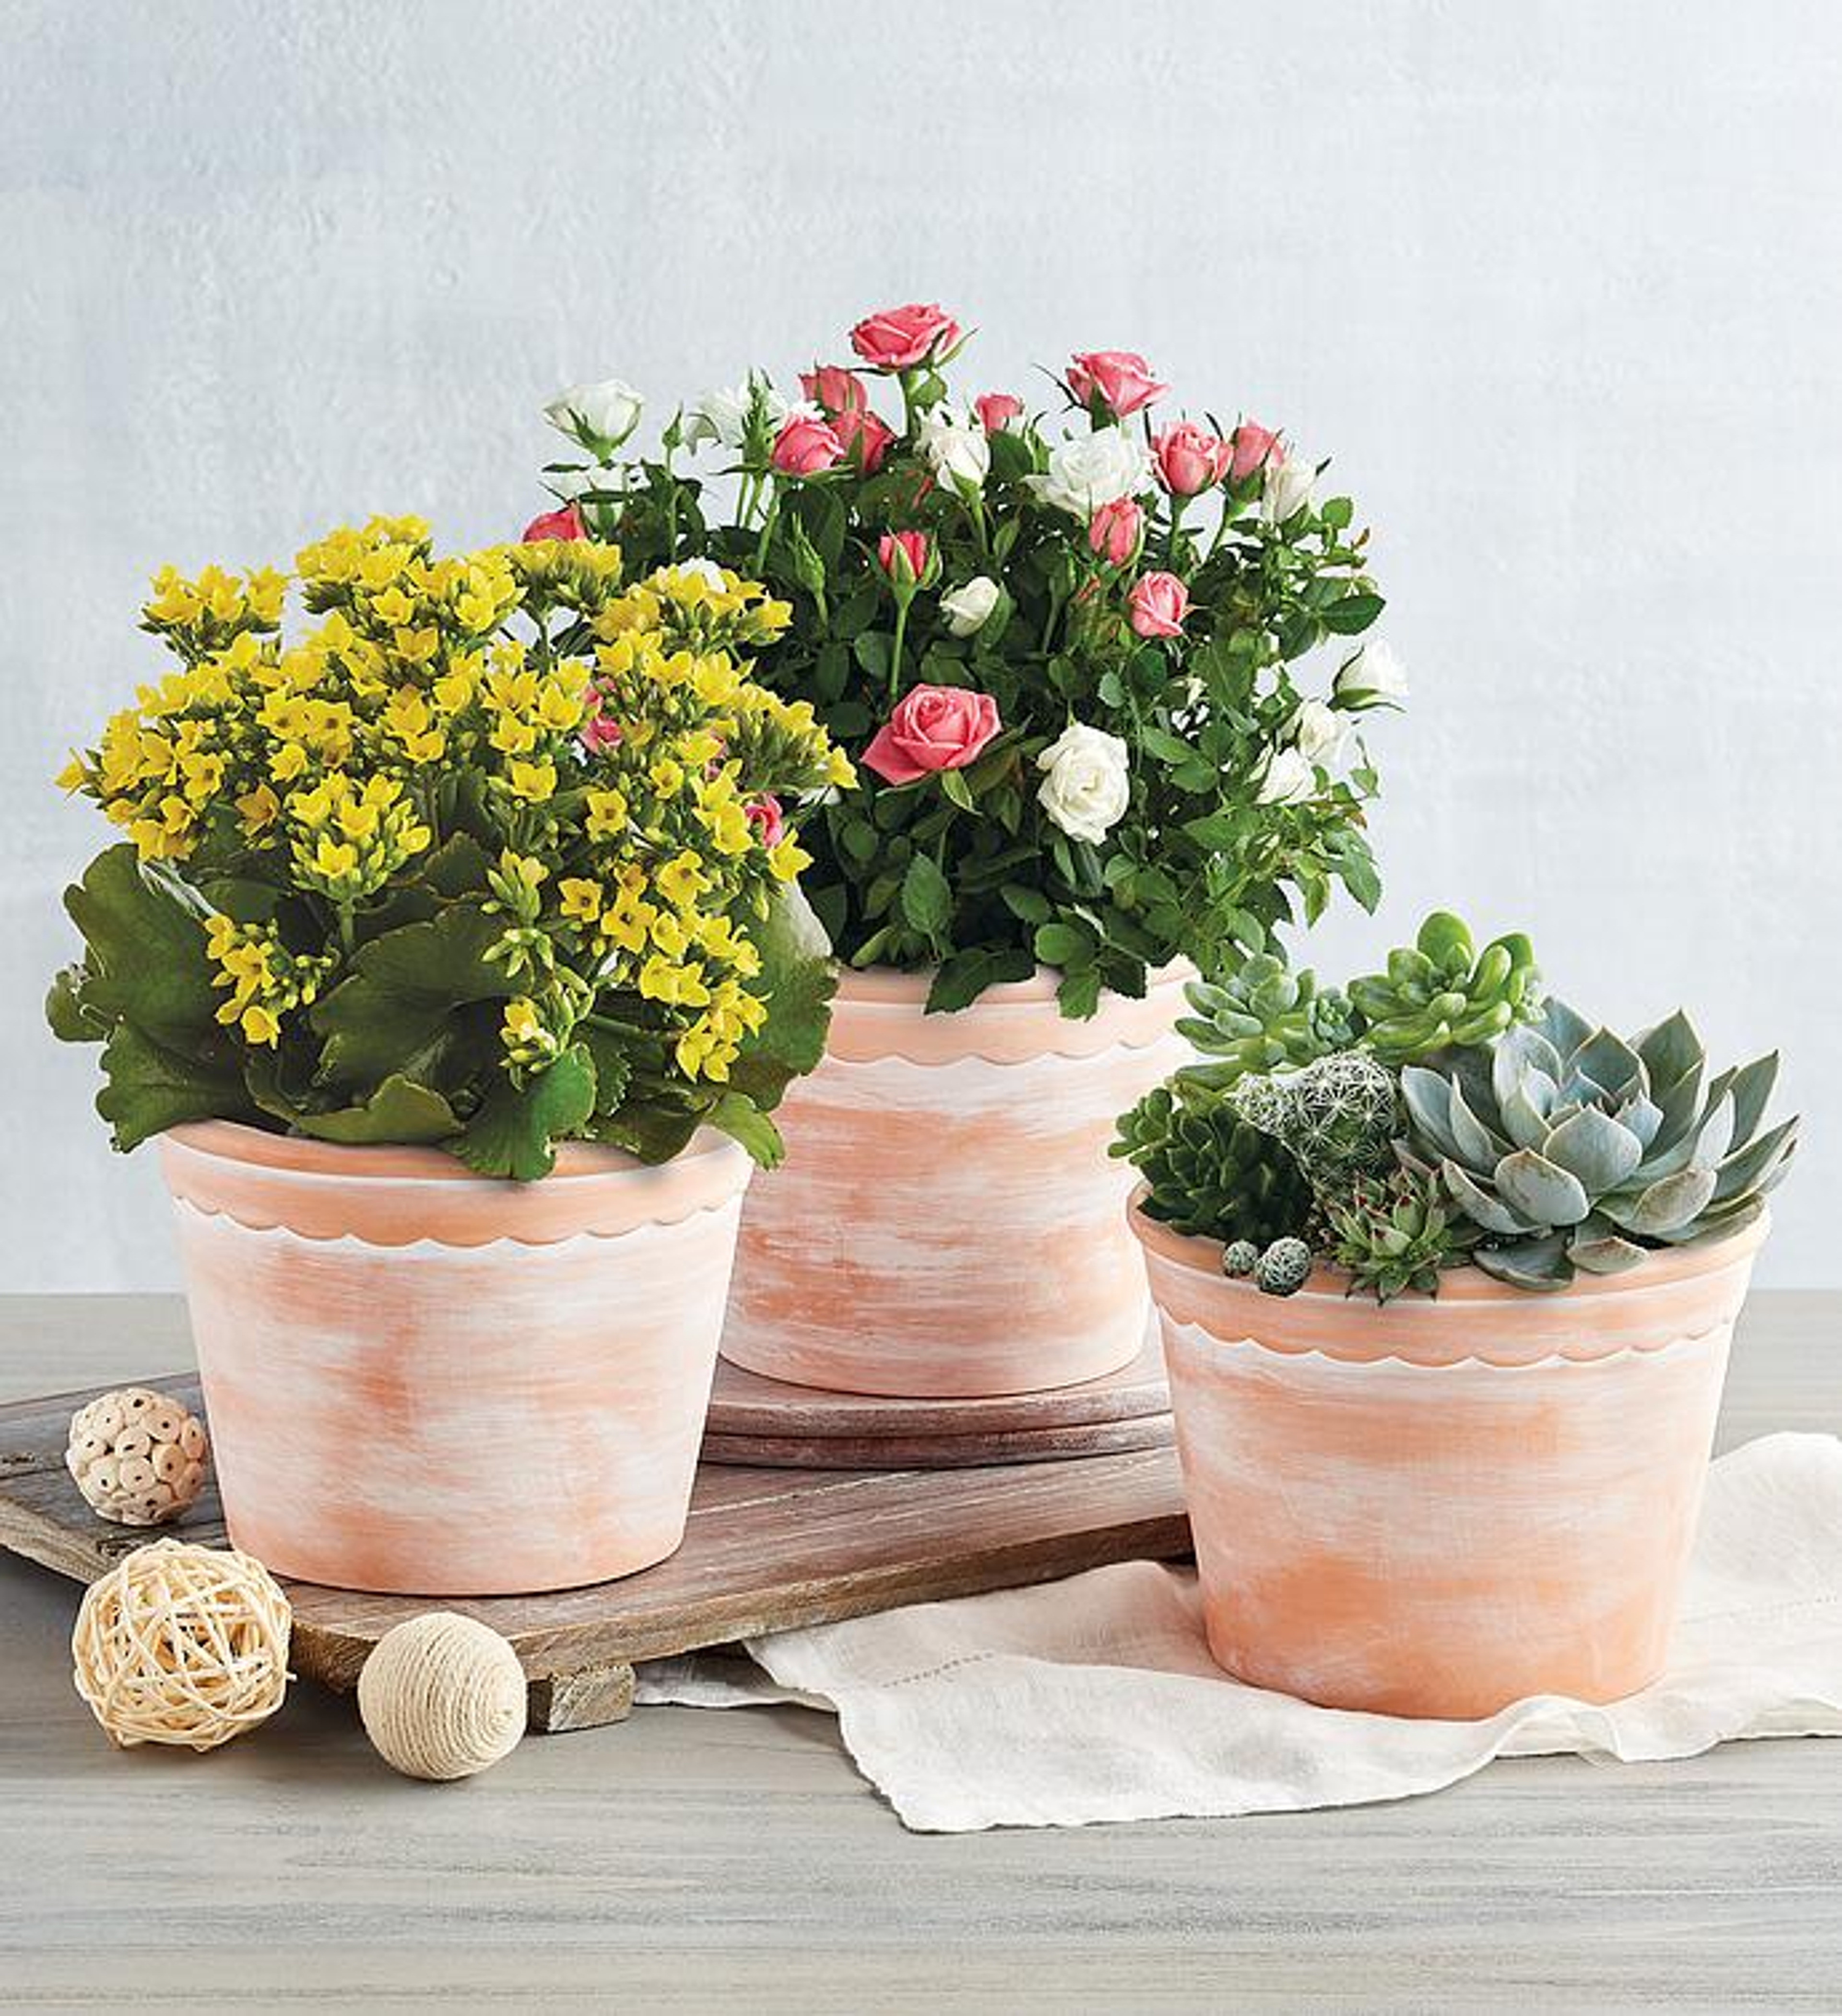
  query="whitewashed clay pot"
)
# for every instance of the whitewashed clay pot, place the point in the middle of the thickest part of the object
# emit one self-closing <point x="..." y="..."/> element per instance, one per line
<point x="1444" y="1506"/>
<point x="948" y="1221"/>
<point x="422" y="1381"/>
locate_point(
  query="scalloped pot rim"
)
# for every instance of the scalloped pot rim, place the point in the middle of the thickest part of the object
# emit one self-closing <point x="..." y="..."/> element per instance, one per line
<point x="1468" y="1284"/>
<point x="895" y="987"/>
<point x="398" y="1196"/>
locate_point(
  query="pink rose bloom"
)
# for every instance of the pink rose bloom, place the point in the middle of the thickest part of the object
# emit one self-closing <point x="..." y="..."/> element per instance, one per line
<point x="805" y="447"/>
<point x="763" y="814"/>
<point x="866" y="435"/>
<point x="996" y="410"/>
<point x="934" y="728"/>
<point x="836" y="389"/>
<point x="1253" y="444"/>
<point x="1190" y="458"/>
<point x="1159" y="603"/>
<point x="898" y="338"/>
<point x="564" y="525"/>
<point x="598" y="732"/>
<point x="1121" y="377"/>
<point x="1112" y="532"/>
<point x="898" y="550"/>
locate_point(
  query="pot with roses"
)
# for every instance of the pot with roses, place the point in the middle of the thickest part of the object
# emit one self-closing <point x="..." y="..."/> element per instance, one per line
<point x="452" y="953"/>
<point x="1064" y="649"/>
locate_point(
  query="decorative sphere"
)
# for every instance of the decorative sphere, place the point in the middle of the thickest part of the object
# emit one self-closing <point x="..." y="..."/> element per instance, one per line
<point x="182" y="1644"/>
<point x="441" y="1695"/>
<point x="138" y="1457"/>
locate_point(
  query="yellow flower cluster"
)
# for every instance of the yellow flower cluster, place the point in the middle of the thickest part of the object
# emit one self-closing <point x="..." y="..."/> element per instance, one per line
<point x="264" y="978"/>
<point x="623" y="768"/>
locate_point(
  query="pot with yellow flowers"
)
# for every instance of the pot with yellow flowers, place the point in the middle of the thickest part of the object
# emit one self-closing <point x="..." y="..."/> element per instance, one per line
<point x="454" y="954"/>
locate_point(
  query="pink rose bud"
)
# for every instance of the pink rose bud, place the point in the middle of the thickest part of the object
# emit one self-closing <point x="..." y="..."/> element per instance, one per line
<point x="1121" y="379"/>
<point x="933" y="728"/>
<point x="564" y="525"/>
<point x="898" y="339"/>
<point x="1253" y="444"/>
<point x="1159" y="603"/>
<point x="1112" y="532"/>
<point x="836" y="389"/>
<point x="866" y="438"/>
<point x="805" y="447"/>
<point x="1190" y="458"/>
<point x="763" y="814"/>
<point x="903" y="557"/>
<point x="996" y="410"/>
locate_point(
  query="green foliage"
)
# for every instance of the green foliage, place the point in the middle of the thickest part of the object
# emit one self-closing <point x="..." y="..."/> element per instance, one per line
<point x="1572" y="1149"/>
<point x="516" y="1130"/>
<point x="1396" y="1231"/>
<point x="1208" y="1171"/>
<point x="1264" y="1018"/>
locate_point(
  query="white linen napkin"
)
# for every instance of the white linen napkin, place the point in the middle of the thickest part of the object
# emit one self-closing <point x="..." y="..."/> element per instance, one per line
<point x="1094" y="1698"/>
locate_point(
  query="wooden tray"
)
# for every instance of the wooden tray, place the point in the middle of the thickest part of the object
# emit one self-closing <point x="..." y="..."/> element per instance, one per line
<point x="765" y="1422"/>
<point x="767" y="1549"/>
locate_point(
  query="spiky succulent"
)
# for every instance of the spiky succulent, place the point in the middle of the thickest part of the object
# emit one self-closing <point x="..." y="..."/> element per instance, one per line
<point x="1239" y="1257"/>
<point x="1284" y="1267"/>
<point x="1209" y="1171"/>
<point x="1265" y="1018"/>
<point x="1572" y="1148"/>
<point x="1339" y="1116"/>
<point x="1396" y="1231"/>
<point x="1442" y="991"/>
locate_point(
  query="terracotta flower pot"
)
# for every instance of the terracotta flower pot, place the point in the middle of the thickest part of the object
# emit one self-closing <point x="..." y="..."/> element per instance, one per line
<point x="424" y="1382"/>
<point x="1444" y="1506"/>
<point x="948" y="1221"/>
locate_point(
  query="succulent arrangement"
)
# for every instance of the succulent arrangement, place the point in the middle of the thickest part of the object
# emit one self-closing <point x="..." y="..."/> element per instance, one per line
<point x="1441" y="1113"/>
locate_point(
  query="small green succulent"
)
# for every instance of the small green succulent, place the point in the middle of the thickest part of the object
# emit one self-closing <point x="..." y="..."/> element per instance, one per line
<point x="1574" y="1149"/>
<point x="1442" y="991"/>
<point x="1239" y="1257"/>
<point x="1284" y="1267"/>
<point x="1208" y="1171"/>
<point x="1265" y="1018"/>
<point x="1396" y="1231"/>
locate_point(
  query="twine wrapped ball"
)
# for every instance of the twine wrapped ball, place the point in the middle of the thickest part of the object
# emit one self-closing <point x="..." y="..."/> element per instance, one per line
<point x="137" y="1457"/>
<point x="182" y="1644"/>
<point x="441" y="1697"/>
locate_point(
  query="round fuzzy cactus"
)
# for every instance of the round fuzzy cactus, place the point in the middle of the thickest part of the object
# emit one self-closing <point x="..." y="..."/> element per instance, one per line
<point x="1283" y="1268"/>
<point x="1241" y="1258"/>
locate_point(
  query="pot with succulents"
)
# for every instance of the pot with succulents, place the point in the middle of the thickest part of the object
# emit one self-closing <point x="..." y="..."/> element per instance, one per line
<point x="1447" y="1275"/>
<point x="454" y="956"/>
<point x="1062" y="651"/>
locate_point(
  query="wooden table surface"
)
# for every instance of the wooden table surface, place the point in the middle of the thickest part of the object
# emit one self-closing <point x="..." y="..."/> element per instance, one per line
<point x="735" y="1861"/>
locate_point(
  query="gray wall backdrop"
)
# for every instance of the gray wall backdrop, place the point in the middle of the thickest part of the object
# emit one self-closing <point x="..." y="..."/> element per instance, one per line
<point x="1559" y="286"/>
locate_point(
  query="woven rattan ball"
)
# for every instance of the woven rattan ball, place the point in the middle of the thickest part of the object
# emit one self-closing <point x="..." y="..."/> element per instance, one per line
<point x="441" y="1695"/>
<point x="182" y="1644"/>
<point x="137" y="1457"/>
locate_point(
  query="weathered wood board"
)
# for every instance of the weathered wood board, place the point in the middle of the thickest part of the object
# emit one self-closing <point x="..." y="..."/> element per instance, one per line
<point x="766" y="1422"/>
<point x="767" y="1549"/>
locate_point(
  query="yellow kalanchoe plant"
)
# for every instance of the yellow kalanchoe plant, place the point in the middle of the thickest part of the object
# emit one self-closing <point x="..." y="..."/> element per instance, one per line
<point x="498" y="853"/>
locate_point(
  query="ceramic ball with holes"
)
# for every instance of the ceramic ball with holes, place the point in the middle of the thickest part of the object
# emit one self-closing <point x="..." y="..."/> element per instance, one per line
<point x="137" y="1457"/>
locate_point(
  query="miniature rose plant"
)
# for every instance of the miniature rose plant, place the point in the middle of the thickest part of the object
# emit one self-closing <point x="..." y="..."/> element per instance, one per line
<point x="497" y="852"/>
<point x="1063" y="645"/>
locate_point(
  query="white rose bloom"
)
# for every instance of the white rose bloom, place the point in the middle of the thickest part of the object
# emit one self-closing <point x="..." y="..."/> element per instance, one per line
<point x="1287" y="485"/>
<point x="721" y="417"/>
<point x="958" y="449"/>
<point x="966" y="609"/>
<point x="1320" y="734"/>
<point x="1089" y="781"/>
<point x="571" y="483"/>
<point x="598" y="416"/>
<point x="1093" y="470"/>
<point x="1375" y="669"/>
<point x="1289" y="779"/>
